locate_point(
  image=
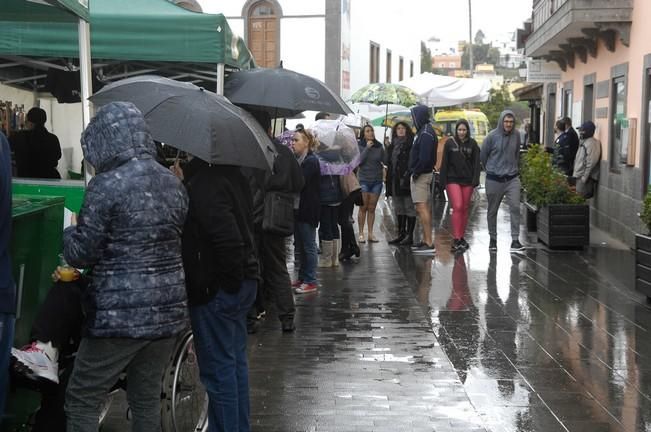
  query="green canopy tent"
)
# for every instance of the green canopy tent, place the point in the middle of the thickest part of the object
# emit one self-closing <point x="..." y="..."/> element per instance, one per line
<point x="128" y="37"/>
<point x="38" y="10"/>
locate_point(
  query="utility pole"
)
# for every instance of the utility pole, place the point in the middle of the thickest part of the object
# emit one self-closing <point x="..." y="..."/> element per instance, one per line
<point x="470" y="56"/>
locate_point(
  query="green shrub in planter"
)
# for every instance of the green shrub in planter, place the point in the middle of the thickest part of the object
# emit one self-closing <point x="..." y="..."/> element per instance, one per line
<point x="645" y="214"/>
<point x="544" y="185"/>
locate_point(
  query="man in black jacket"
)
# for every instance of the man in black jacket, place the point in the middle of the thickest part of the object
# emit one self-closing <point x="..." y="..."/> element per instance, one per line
<point x="221" y="280"/>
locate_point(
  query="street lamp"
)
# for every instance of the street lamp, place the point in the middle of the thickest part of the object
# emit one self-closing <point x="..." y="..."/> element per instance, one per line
<point x="470" y="56"/>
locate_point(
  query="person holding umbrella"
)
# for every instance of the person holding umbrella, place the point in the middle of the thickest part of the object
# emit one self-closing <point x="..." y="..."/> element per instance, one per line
<point x="307" y="212"/>
<point x="371" y="173"/>
<point x="221" y="281"/>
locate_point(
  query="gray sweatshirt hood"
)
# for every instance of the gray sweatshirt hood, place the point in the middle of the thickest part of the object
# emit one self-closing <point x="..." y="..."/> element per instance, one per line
<point x="500" y="122"/>
<point x="500" y="152"/>
<point x="117" y="134"/>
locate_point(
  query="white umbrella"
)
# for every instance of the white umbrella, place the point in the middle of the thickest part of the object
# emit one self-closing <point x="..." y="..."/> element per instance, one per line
<point x="338" y="151"/>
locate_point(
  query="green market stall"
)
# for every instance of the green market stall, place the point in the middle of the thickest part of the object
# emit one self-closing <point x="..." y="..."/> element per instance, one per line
<point x="127" y="37"/>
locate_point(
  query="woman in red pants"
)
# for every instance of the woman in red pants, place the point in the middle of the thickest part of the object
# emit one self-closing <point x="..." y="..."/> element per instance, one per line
<point x="459" y="176"/>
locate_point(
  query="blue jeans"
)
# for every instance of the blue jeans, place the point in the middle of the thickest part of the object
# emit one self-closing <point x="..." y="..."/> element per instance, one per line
<point x="6" y="342"/>
<point x="305" y="239"/>
<point x="374" y="187"/>
<point x="219" y="329"/>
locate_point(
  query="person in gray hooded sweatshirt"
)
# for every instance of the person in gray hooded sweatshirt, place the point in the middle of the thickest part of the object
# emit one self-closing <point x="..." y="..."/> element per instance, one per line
<point x="500" y="156"/>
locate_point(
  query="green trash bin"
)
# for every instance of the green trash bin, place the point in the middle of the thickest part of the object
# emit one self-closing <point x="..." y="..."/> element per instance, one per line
<point x="36" y="241"/>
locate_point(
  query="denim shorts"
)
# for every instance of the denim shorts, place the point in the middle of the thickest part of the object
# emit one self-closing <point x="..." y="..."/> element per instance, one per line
<point x="374" y="187"/>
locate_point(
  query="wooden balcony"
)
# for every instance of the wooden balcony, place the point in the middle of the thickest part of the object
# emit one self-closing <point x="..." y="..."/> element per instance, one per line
<point x="562" y="30"/>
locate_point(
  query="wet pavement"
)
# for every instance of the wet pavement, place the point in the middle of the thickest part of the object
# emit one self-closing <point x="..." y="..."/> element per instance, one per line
<point x="539" y="341"/>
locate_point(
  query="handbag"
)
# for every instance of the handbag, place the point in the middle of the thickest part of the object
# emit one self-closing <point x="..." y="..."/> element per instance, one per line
<point x="278" y="215"/>
<point x="349" y="183"/>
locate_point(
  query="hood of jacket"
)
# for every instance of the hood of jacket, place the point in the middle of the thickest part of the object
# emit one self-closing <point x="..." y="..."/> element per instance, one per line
<point x="420" y="116"/>
<point x="500" y="122"/>
<point x="117" y="134"/>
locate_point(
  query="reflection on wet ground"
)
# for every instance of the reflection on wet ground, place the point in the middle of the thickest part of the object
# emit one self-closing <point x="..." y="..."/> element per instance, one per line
<point x="542" y="341"/>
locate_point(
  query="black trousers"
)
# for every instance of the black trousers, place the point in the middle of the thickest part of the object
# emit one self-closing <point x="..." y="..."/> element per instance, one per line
<point x="346" y="223"/>
<point x="276" y="285"/>
<point x="59" y="320"/>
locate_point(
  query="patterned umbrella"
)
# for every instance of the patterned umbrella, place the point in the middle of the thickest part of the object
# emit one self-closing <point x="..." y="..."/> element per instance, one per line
<point x="386" y="93"/>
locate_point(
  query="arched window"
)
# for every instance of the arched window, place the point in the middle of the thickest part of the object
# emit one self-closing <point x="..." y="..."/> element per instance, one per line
<point x="264" y="33"/>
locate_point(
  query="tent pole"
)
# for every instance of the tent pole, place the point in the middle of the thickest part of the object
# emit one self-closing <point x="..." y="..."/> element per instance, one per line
<point x="85" y="74"/>
<point x="220" y="78"/>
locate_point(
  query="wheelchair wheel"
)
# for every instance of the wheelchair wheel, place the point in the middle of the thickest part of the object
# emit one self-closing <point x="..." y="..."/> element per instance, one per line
<point x="185" y="402"/>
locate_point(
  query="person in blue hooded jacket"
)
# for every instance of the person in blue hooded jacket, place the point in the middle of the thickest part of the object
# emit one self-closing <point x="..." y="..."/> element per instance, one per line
<point x="500" y="156"/>
<point x="129" y="235"/>
<point x="7" y="287"/>
<point x="422" y="160"/>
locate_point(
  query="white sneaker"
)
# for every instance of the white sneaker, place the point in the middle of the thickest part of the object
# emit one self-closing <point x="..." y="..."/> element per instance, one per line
<point x="36" y="364"/>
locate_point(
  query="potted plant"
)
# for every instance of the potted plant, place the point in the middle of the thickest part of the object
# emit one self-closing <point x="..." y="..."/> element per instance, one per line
<point x="643" y="250"/>
<point x="562" y="216"/>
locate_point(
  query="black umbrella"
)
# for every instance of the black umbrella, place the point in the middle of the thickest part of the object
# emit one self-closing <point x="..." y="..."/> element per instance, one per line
<point x="195" y="120"/>
<point x="282" y="92"/>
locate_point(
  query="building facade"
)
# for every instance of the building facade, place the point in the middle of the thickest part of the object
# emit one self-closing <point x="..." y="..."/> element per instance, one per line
<point x="603" y="49"/>
<point x="446" y="62"/>
<point x="315" y="38"/>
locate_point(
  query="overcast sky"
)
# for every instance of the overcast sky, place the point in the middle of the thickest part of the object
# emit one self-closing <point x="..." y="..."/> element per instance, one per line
<point x="444" y="19"/>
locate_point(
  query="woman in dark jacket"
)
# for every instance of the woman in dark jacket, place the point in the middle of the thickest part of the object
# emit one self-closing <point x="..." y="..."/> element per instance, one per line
<point x="36" y="150"/>
<point x="370" y="173"/>
<point x="307" y="215"/>
<point x="397" y="161"/>
<point x="459" y="176"/>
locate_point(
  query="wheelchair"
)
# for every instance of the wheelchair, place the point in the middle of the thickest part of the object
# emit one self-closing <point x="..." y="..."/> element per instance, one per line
<point x="184" y="402"/>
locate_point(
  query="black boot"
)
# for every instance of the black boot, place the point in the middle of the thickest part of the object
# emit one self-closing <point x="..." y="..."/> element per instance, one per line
<point x="409" y="239"/>
<point x="402" y="230"/>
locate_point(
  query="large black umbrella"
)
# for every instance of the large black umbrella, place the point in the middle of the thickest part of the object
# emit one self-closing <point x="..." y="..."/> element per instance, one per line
<point x="282" y="92"/>
<point x="195" y="120"/>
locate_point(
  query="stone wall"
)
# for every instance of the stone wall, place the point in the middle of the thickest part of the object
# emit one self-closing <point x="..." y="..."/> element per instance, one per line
<point x="617" y="203"/>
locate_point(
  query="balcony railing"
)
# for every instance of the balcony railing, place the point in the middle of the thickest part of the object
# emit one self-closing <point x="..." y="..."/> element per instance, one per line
<point x="562" y="29"/>
<point x="543" y="10"/>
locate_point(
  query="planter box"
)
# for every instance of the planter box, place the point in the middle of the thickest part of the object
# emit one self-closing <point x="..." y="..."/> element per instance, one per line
<point x="531" y="216"/>
<point x="564" y="225"/>
<point x="643" y="264"/>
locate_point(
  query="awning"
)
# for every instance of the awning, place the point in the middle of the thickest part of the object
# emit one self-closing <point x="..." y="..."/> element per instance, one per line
<point x="529" y="92"/>
<point x="154" y="30"/>
<point x="441" y="91"/>
<point x="44" y="10"/>
<point x="128" y="37"/>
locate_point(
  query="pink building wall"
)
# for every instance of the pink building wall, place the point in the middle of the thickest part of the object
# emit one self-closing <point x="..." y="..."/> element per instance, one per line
<point x="640" y="45"/>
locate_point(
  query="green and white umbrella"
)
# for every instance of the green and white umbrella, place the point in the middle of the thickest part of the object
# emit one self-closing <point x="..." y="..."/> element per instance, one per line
<point x="386" y="93"/>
